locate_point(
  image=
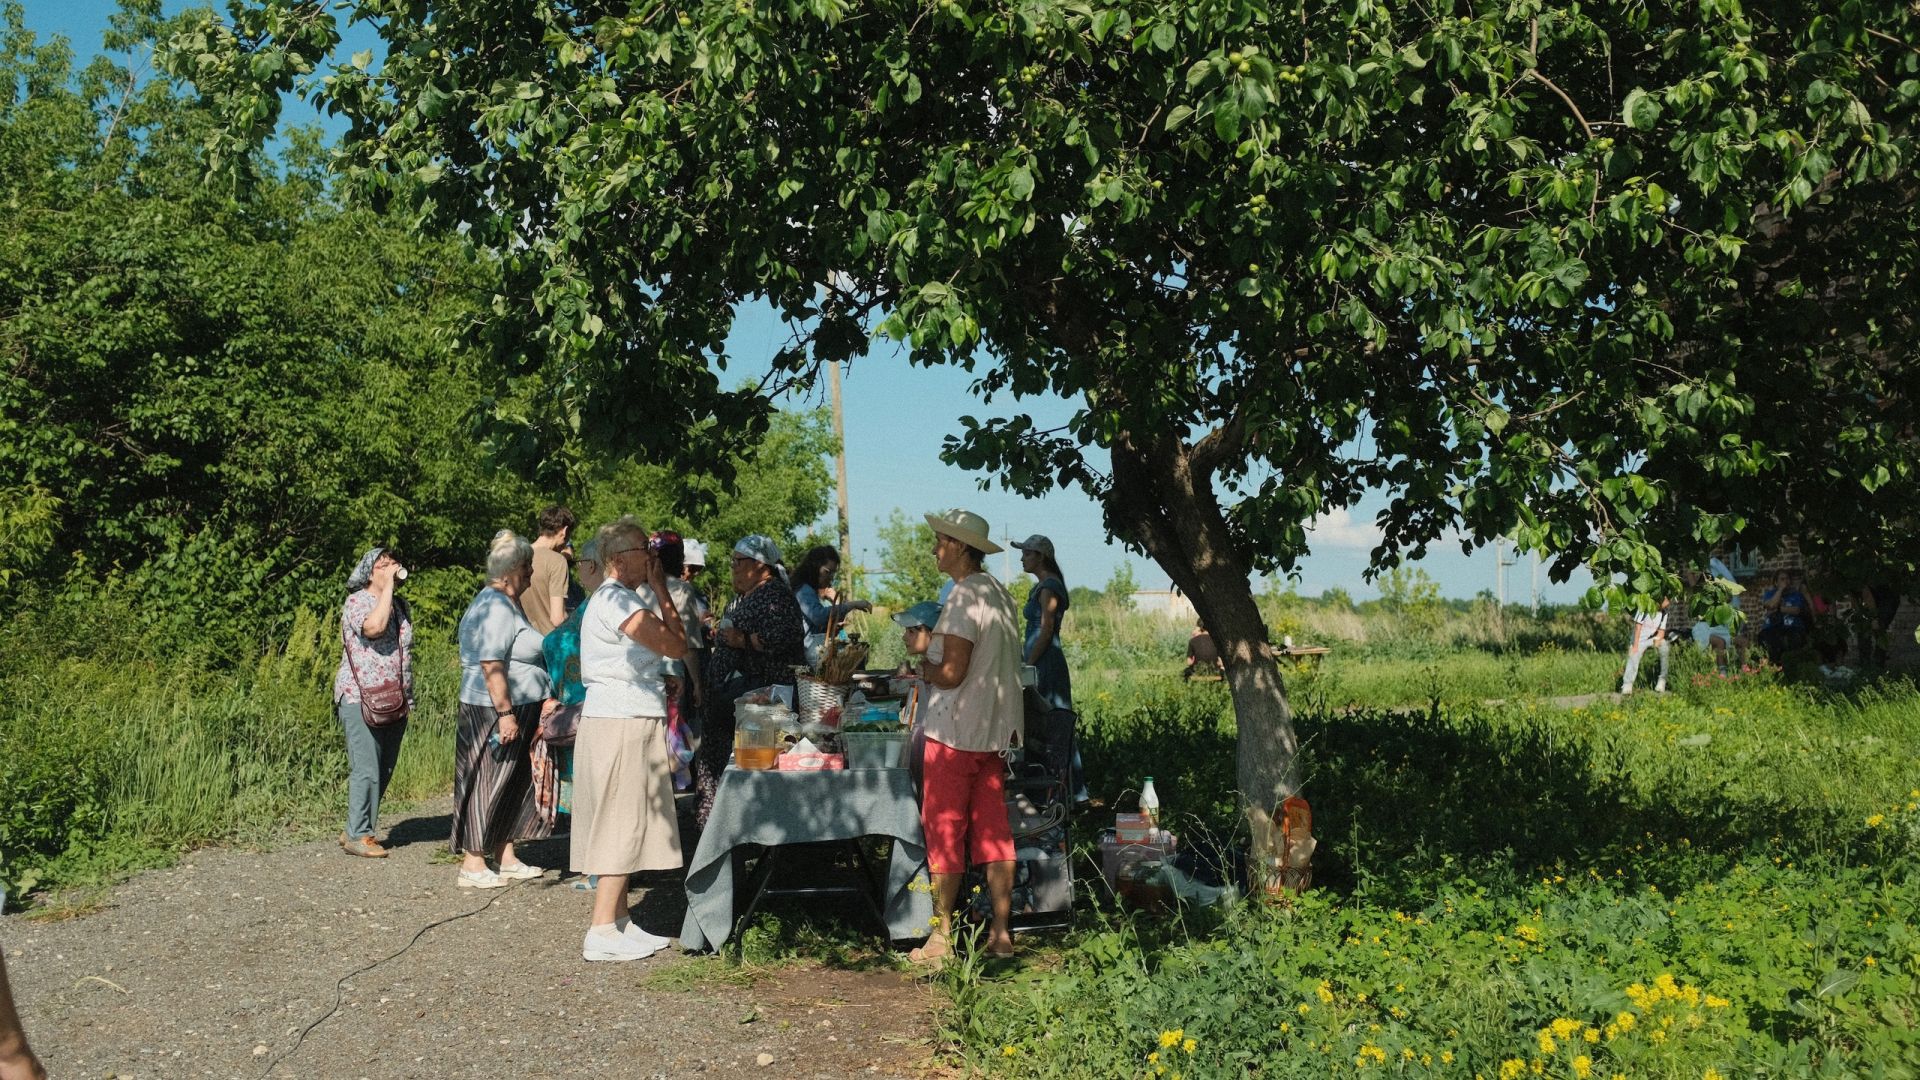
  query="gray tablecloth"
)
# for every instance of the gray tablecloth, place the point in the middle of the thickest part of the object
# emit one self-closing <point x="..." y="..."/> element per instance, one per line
<point x="774" y="808"/>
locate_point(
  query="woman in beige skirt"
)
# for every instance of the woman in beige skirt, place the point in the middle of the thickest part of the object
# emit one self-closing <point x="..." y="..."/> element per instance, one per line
<point x="623" y="817"/>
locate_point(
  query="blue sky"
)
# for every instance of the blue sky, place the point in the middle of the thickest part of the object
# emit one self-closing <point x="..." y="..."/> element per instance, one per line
<point x="897" y="416"/>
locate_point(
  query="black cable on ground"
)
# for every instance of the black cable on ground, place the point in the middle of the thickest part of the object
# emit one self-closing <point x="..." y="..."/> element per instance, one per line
<point x="338" y="994"/>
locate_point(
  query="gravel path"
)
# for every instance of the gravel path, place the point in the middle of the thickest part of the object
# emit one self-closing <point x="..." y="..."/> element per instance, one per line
<point x="214" y="967"/>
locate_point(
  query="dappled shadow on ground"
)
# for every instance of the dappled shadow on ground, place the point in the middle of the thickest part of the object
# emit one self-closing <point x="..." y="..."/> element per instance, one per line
<point x="1398" y="795"/>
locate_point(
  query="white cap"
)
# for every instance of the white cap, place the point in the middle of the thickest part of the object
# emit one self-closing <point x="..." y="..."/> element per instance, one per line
<point x="695" y="553"/>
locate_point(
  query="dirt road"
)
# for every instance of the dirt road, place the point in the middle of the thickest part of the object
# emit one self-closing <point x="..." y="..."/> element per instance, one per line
<point x="215" y="966"/>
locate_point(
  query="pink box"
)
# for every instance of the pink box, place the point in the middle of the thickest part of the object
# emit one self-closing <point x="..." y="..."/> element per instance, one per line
<point x="811" y="762"/>
<point x="1130" y="828"/>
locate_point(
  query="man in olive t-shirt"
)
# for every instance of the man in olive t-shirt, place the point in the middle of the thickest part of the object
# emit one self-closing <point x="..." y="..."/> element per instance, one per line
<point x="545" y="597"/>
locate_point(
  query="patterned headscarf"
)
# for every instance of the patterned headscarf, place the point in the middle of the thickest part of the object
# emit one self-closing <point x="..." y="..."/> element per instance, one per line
<point x="362" y="575"/>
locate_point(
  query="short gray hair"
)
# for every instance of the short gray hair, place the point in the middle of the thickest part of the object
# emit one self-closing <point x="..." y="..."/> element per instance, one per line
<point x="620" y="535"/>
<point x="589" y="551"/>
<point x="509" y="551"/>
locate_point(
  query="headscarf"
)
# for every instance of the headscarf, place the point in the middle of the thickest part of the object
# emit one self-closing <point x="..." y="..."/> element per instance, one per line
<point x="362" y="575"/>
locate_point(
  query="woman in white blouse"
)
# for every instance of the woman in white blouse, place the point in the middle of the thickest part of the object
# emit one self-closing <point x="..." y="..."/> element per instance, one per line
<point x="623" y="816"/>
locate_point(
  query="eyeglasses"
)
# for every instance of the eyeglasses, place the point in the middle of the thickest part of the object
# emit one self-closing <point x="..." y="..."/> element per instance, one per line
<point x="618" y="551"/>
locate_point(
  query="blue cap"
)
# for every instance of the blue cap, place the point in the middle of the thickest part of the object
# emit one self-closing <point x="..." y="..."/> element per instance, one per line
<point x="925" y="613"/>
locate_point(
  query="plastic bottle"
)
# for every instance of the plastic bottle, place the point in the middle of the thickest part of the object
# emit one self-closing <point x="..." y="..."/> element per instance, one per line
<point x="1150" y="809"/>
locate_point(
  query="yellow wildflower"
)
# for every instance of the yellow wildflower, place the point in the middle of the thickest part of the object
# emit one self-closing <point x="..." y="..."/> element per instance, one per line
<point x="1717" y="1002"/>
<point x="1591" y="1034"/>
<point x="1583" y="1067"/>
<point x="1564" y="1028"/>
<point x="1446" y="1057"/>
<point x="1711" y="1074"/>
<point x="1547" y="1045"/>
<point x="1009" y="1050"/>
<point x="1526" y="933"/>
<point x="1874" y="821"/>
<point x="1153" y="1056"/>
<point x="1371" y="1053"/>
<point x="1625" y="1021"/>
<point x="1188" y="1046"/>
<point x="1305" y="1008"/>
<point x="1325" y="990"/>
<point x="1512" y="1069"/>
<point x="1170" y="1039"/>
<point x="1870" y="961"/>
<point x="1664" y="983"/>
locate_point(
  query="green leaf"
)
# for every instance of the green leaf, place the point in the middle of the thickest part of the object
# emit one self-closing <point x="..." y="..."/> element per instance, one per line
<point x="1178" y="115"/>
<point x="1641" y="111"/>
<point x="1226" y="120"/>
<point x="1020" y="183"/>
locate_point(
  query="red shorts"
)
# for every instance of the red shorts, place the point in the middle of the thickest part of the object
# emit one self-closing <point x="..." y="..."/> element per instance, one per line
<point x="963" y="808"/>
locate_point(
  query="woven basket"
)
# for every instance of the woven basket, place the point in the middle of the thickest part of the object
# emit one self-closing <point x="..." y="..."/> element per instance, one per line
<point x="816" y="699"/>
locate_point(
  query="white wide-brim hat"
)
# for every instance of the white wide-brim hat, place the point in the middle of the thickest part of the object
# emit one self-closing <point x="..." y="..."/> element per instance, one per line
<point x="965" y="526"/>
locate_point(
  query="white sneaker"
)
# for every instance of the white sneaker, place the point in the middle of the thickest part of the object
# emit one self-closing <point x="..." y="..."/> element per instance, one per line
<point x="604" y="944"/>
<point x="479" y="879"/>
<point x="1660" y="687"/>
<point x="653" y="943"/>
<point x="521" y="872"/>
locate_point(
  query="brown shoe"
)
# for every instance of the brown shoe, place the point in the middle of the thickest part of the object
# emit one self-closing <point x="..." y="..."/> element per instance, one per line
<point x="364" y="846"/>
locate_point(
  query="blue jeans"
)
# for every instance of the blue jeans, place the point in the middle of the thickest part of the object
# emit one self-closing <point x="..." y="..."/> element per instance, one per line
<point x="371" y="754"/>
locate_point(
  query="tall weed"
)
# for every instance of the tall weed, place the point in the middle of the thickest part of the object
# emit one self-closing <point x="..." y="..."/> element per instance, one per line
<point x="115" y="761"/>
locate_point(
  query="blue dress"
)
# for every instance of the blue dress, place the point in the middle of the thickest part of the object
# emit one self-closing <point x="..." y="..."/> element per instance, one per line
<point x="1055" y="685"/>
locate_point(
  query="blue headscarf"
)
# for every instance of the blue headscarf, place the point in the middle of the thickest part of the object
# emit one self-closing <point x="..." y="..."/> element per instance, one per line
<point x="362" y="575"/>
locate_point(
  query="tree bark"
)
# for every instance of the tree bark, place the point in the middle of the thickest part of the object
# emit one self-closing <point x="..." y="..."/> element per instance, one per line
<point x="1160" y="500"/>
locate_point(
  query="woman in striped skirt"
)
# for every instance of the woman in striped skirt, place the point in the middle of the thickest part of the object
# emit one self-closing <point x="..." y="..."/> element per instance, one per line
<point x="503" y="680"/>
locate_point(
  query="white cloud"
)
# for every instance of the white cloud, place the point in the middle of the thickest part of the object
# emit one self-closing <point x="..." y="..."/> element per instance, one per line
<point x="1338" y="531"/>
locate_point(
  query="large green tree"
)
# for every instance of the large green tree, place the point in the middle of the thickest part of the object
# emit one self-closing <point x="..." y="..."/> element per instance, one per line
<point x="1635" y="276"/>
<point x="217" y="399"/>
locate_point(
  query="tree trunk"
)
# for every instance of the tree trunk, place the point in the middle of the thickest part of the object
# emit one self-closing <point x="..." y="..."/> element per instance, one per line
<point x="1159" y="499"/>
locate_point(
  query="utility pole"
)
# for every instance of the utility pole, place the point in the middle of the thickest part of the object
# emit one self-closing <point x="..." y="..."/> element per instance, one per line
<point x="1501" y="561"/>
<point x="840" y="471"/>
